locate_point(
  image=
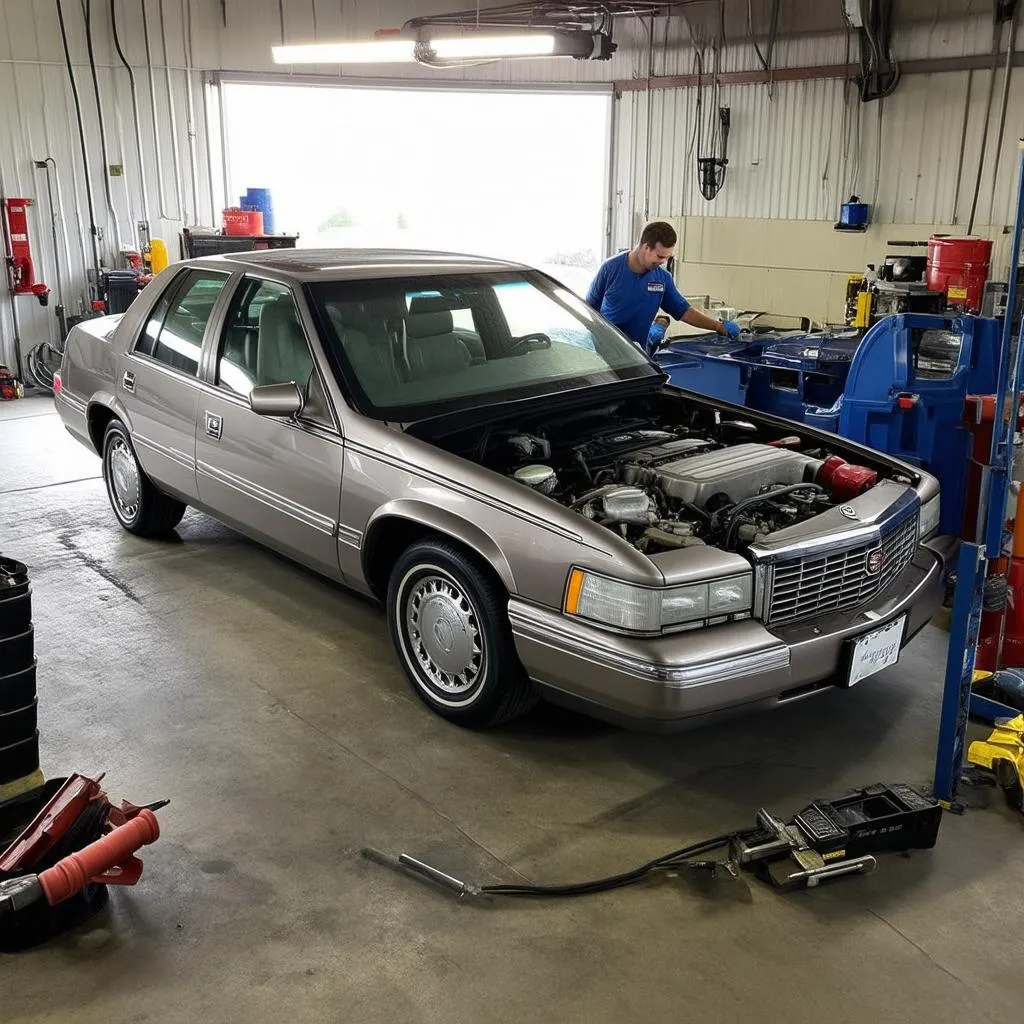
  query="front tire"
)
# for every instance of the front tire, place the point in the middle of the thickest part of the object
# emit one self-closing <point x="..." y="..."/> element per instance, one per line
<point x="448" y="622"/>
<point x="140" y="508"/>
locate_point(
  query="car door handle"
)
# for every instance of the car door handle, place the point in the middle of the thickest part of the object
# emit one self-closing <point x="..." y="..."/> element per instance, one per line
<point x="214" y="425"/>
<point x="128" y="381"/>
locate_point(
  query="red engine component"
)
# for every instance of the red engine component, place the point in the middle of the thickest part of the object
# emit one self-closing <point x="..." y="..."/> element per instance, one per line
<point x="843" y="479"/>
<point x="958" y="267"/>
<point x="23" y="276"/>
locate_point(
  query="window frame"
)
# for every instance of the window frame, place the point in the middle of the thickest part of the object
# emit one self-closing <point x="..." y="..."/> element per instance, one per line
<point x="216" y="343"/>
<point x="173" y="292"/>
<point x="357" y="398"/>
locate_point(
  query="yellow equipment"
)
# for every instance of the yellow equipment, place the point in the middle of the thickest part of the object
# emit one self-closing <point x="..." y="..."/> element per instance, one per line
<point x="1003" y="754"/>
<point x="859" y="301"/>
<point x="155" y="255"/>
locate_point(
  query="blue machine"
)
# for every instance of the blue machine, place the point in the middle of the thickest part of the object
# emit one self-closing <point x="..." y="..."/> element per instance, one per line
<point x="900" y="388"/>
<point x="853" y="215"/>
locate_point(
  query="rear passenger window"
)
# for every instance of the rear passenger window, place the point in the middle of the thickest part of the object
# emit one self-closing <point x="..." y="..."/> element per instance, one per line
<point x="174" y="332"/>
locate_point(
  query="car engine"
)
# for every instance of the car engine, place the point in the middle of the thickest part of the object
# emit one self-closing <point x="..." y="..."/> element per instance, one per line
<point x="667" y="485"/>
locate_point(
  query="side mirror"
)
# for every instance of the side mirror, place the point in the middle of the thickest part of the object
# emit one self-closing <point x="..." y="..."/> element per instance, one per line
<point x="276" y="400"/>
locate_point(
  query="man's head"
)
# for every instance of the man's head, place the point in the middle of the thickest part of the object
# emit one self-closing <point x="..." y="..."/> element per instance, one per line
<point x="657" y="243"/>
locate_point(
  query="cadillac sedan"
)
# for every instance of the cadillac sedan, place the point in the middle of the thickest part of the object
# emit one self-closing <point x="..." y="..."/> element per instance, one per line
<point x="540" y="514"/>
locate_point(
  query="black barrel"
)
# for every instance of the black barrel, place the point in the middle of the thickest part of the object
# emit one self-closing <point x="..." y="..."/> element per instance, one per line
<point x="18" y="725"/>
<point x="15" y="597"/>
<point x="19" y="740"/>
<point x="18" y="689"/>
<point x="17" y="652"/>
<point x="19" y="759"/>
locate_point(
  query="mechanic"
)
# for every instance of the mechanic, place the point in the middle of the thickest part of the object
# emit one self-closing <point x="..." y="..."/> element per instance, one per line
<point x="631" y="287"/>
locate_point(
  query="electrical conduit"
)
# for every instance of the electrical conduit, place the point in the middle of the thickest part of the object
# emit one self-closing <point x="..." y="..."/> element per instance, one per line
<point x="143" y="187"/>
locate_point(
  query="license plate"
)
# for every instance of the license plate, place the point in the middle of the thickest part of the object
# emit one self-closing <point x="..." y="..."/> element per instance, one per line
<point x="876" y="651"/>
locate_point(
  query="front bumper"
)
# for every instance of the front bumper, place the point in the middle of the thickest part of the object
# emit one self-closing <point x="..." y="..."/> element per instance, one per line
<point x="673" y="678"/>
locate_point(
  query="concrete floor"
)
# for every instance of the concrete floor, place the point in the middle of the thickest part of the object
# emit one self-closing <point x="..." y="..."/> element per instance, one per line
<point x="265" y="703"/>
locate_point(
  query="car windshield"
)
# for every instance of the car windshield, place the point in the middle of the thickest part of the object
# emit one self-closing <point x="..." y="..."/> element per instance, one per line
<point x="410" y="348"/>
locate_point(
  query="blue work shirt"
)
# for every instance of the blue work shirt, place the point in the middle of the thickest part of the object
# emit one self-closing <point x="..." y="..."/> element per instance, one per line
<point x="630" y="300"/>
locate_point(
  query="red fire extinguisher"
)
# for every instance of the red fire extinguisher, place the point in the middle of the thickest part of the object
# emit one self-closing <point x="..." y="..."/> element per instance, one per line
<point x="23" y="277"/>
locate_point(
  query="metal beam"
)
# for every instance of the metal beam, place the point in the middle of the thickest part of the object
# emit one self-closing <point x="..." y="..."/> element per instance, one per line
<point x="930" y="66"/>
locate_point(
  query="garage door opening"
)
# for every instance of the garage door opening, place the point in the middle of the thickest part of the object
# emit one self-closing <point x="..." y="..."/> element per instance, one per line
<point x="516" y="174"/>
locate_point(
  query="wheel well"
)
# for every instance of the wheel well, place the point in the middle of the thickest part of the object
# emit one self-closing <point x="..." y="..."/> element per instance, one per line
<point x="390" y="537"/>
<point x="98" y="418"/>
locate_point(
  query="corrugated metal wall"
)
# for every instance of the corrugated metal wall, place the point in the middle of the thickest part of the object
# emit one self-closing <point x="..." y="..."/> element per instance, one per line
<point x="37" y="120"/>
<point x="798" y="152"/>
<point x="794" y="156"/>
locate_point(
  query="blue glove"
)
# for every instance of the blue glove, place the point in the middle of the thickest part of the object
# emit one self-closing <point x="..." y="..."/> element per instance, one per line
<point x="655" y="337"/>
<point x="732" y="329"/>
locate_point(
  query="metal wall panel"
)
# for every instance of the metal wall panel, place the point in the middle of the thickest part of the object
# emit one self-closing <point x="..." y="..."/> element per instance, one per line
<point x="37" y="120"/>
<point x="800" y="152"/>
<point x="790" y="157"/>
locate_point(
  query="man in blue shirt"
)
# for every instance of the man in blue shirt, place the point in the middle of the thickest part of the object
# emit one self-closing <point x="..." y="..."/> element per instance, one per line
<point x="631" y="287"/>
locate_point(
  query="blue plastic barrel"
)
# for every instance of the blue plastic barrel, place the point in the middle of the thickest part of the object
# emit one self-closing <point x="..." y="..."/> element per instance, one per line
<point x="259" y="199"/>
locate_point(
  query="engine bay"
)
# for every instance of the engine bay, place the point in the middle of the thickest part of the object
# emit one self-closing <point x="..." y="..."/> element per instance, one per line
<point x="666" y="474"/>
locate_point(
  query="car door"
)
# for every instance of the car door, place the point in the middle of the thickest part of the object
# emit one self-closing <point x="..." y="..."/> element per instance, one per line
<point x="158" y="379"/>
<point x="275" y="478"/>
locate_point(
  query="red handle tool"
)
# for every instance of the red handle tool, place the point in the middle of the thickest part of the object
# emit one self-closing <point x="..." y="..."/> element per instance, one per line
<point x="115" y="849"/>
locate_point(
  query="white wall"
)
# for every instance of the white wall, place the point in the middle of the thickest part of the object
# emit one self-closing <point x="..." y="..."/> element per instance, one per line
<point x="790" y="163"/>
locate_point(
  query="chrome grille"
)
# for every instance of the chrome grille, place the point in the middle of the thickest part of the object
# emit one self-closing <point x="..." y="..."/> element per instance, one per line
<point x="831" y="582"/>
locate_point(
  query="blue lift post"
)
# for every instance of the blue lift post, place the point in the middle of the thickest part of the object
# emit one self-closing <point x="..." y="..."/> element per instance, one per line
<point x="958" y="702"/>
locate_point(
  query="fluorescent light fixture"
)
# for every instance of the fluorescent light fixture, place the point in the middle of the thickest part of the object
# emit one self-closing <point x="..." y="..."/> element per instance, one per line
<point x="473" y="47"/>
<point x="455" y="48"/>
<point x="370" y="51"/>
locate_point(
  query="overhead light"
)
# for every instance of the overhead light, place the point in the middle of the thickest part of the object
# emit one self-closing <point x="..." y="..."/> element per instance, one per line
<point x="370" y="51"/>
<point x="581" y="45"/>
<point x="473" y="47"/>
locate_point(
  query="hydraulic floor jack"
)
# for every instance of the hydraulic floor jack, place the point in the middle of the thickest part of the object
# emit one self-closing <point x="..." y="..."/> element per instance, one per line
<point x="827" y="839"/>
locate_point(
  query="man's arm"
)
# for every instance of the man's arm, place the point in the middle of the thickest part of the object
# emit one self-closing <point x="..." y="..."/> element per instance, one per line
<point x="595" y="293"/>
<point x="695" y="318"/>
<point x="672" y="301"/>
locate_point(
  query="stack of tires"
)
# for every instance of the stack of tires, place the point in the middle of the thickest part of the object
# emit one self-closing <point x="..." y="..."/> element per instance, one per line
<point x="19" y="738"/>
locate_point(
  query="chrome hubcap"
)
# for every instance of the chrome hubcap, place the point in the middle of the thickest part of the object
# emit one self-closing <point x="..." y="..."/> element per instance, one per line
<point x="123" y="475"/>
<point x="444" y="635"/>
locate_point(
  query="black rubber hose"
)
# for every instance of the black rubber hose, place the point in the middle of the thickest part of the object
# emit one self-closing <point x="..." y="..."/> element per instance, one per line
<point x="996" y="38"/>
<point x="93" y="230"/>
<point x="677" y="858"/>
<point x="779" y="492"/>
<point x="135" y="107"/>
<point x="101" y="126"/>
<point x="117" y="42"/>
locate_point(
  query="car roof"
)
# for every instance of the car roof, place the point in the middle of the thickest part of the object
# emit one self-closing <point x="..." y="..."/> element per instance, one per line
<point x="342" y="264"/>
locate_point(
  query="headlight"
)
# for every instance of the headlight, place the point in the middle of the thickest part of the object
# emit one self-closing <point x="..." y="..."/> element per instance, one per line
<point x="931" y="513"/>
<point x="650" y="610"/>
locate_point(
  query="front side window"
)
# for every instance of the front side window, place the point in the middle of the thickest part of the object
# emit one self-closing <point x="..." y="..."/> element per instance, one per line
<point x="263" y="343"/>
<point x="174" y="332"/>
<point x="417" y="347"/>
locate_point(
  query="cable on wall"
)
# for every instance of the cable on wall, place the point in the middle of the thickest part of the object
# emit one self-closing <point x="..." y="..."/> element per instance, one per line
<point x="93" y="229"/>
<point x="118" y="239"/>
<point x="143" y="186"/>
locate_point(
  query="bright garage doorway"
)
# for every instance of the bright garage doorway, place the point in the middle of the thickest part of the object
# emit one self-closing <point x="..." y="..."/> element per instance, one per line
<point x="517" y="174"/>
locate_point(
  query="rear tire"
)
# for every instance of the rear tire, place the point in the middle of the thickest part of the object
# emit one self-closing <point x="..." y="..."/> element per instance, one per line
<point x="140" y="508"/>
<point x="448" y="622"/>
